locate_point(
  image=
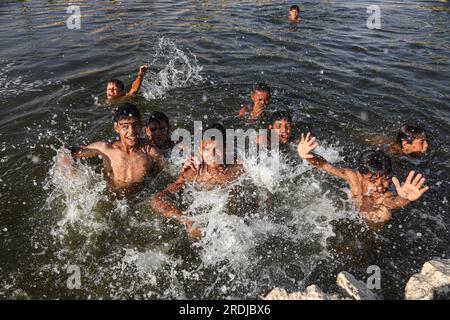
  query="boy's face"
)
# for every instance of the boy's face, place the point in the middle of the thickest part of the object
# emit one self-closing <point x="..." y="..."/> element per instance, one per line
<point x="293" y="14"/>
<point x="129" y="131"/>
<point x="211" y="155"/>
<point x="377" y="184"/>
<point x="260" y="99"/>
<point x="284" y="130"/>
<point x="112" y="90"/>
<point x="418" y="146"/>
<point x="158" y="132"/>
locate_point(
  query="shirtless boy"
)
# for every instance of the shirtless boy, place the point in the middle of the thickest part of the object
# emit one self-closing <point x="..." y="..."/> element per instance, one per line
<point x="126" y="161"/>
<point x="211" y="172"/>
<point x="158" y="132"/>
<point x="411" y="141"/>
<point x="260" y="99"/>
<point x="115" y="89"/>
<point x="294" y="12"/>
<point x="281" y="124"/>
<point x="370" y="182"/>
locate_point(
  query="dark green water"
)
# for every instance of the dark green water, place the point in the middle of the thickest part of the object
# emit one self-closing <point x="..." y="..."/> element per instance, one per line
<point x="337" y="77"/>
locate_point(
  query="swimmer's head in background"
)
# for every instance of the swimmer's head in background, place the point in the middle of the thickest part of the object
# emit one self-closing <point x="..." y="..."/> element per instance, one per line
<point x="213" y="145"/>
<point x="294" y="12"/>
<point x="114" y="88"/>
<point x="127" y="123"/>
<point x="260" y="95"/>
<point x="157" y="129"/>
<point x="281" y="122"/>
<point x="375" y="167"/>
<point x="412" y="140"/>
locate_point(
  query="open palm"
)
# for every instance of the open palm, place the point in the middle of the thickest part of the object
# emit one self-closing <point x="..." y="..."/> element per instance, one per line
<point x="411" y="189"/>
<point x="306" y="145"/>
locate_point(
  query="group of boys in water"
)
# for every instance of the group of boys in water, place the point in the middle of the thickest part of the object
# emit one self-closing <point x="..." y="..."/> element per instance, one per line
<point x="129" y="160"/>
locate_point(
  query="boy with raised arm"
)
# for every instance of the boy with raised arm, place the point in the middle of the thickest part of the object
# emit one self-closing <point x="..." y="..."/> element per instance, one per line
<point x="115" y="89"/>
<point x="370" y="182"/>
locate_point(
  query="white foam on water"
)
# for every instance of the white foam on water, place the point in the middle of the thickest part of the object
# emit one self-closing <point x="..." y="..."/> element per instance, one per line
<point x="77" y="193"/>
<point x="179" y="68"/>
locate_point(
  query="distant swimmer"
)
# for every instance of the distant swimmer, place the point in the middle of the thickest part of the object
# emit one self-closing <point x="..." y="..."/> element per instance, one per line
<point x="281" y="124"/>
<point x="294" y="13"/>
<point x="209" y="173"/>
<point x="115" y="89"/>
<point x="127" y="161"/>
<point x="260" y="99"/>
<point x="158" y="131"/>
<point x="369" y="184"/>
<point x="412" y="141"/>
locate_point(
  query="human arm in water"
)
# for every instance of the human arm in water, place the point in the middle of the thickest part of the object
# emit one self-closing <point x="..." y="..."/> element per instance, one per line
<point x="304" y="149"/>
<point x="138" y="82"/>
<point x="66" y="158"/>
<point x="163" y="203"/>
<point x="411" y="190"/>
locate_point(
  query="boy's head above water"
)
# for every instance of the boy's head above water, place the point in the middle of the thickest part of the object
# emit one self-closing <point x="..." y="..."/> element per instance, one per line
<point x="281" y="122"/>
<point x="114" y="88"/>
<point x="127" y="124"/>
<point x="294" y="12"/>
<point x="412" y="140"/>
<point x="213" y="145"/>
<point x="158" y="128"/>
<point x="260" y="95"/>
<point x="375" y="168"/>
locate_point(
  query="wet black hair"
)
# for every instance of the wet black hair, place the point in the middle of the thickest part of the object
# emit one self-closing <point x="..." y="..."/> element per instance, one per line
<point x="117" y="83"/>
<point x="261" y="87"/>
<point x="295" y="7"/>
<point x="158" y="117"/>
<point x="125" y="111"/>
<point x="409" y="133"/>
<point x="374" y="161"/>
<point x="280" y="115"/>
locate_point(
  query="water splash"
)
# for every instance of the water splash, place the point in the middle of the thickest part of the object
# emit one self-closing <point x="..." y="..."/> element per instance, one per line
<point x="179" y="68"/>
<point x="76" y="191"/>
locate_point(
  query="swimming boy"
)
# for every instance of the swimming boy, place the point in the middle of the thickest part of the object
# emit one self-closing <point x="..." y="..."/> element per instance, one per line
<point x="281" y="124"/>
<point x="115" y="89"/>
<point x="260" y="99"/>
<point x="211" y="172"/>
<point x="294" y="12"/>
<point x="370" y="182"/>
<point x="411" y="141"/>
<point x="158" y="132"/>
<point x="127" y="161"/>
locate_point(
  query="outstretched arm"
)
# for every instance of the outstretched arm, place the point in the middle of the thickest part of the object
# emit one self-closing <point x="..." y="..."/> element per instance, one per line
<point x="138" y="82"/>
<point x="411" y="190"/>
<point x="307" y="145"/>
<point x="163" y="203"/>
<point x="65" y="158"/>
<point x="89" y="151"/>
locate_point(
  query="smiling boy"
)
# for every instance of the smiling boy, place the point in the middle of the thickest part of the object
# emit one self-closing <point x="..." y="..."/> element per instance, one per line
<point x="370" y="182"/>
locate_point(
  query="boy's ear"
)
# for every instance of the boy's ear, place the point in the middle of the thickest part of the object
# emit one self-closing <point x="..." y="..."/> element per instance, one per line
<point x="404" y="144"/>
<point x="116" y="127"/>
